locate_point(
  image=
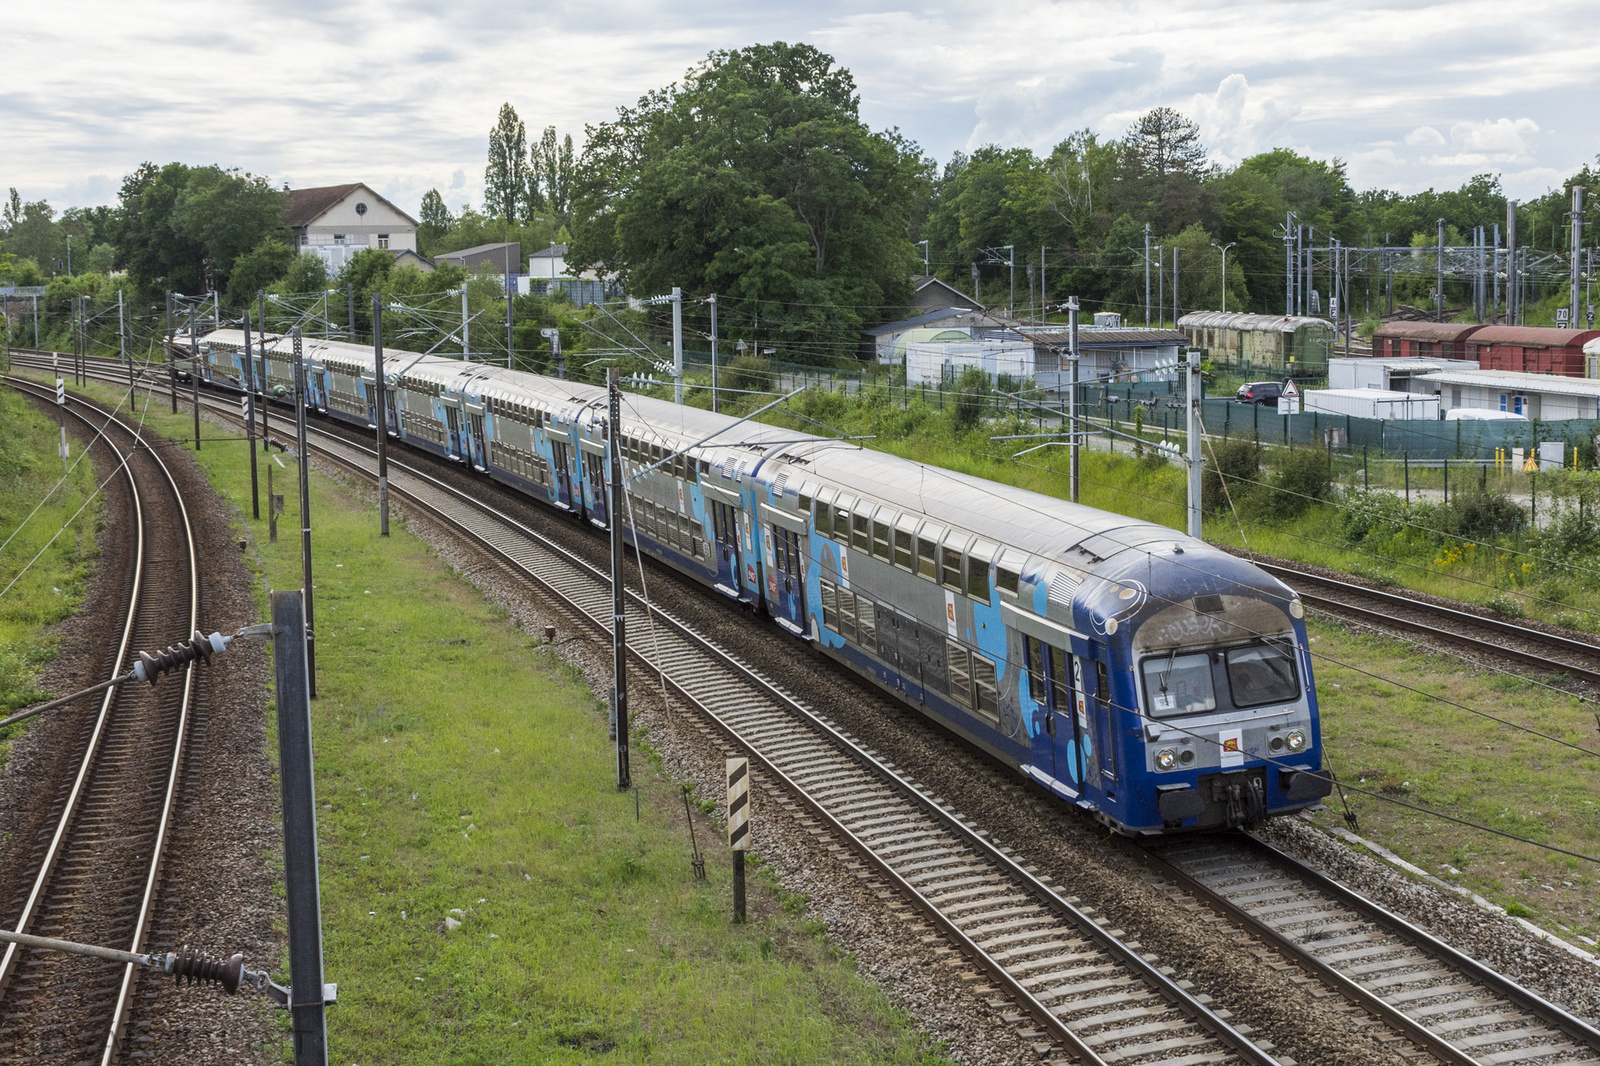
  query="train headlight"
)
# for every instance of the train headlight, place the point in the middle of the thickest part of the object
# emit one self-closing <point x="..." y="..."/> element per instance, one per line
<point x="1297" y="740"/>
<point x="1166" y="759"/>
<point x="1297" y="609"/>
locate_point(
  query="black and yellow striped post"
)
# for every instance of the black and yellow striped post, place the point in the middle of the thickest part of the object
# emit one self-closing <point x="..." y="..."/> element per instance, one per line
<point x="738" y="827"/>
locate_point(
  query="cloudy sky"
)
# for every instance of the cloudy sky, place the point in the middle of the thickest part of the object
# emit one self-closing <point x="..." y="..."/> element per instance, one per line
<point x="402" y="94"/>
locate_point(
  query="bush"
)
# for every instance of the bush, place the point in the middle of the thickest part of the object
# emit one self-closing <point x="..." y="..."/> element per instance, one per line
<point x="971" y="388"/>
<point x="748" y="372"/>
<point x="1303" y="478"/>
<point x="1480" y="515"/>
<point x="1371" y="511"/>
<point x="1236" y="463"/>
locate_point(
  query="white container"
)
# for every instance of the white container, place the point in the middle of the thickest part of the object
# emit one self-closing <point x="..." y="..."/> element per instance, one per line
<point x="1373" y="403"/>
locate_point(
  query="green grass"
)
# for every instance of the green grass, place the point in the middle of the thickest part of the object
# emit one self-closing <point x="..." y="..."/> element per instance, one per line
<point x="1413" y="748"/>
<point x="462" y="766"/>
<point x="51" y="588"/>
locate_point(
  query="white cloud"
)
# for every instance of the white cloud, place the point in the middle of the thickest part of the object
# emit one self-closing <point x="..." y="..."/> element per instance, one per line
<point x="1424" y="135"/>
<point x="1237" y="121"/>
<point x="1501" y="136"/>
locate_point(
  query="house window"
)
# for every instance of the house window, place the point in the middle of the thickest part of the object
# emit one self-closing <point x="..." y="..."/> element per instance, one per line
<point x="1455" y="397"/>
<point x="338" y="238"/>
<point x="383" y="240"/>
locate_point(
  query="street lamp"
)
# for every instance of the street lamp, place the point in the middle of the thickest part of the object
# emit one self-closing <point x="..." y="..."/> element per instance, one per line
<point x="924" y="246"/>
<point x="1224" y="248"/>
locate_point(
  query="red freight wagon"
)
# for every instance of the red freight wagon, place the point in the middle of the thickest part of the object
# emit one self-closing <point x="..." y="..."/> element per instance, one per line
<point x="1430" y="340"/>
<point x="1530" y="349"/>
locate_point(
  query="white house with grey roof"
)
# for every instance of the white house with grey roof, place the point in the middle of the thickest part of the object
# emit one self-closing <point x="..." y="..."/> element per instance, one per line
<point x="1550" y="397"/>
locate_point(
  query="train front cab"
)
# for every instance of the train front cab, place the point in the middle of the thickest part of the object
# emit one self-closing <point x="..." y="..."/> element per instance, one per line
<point x="1212" y="723"/>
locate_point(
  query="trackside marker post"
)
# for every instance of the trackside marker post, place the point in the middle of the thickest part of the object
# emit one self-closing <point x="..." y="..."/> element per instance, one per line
<point x="738" y="827"/>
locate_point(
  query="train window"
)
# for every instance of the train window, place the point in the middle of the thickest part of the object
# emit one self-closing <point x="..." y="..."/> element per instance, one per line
<point x="986" y="691"/>
<point x="903" y="557"/>
<point x="866" y="622"/>
<point x="805" y="494"/>
<point x="882" y="532"/>
<point x="979" y="556"/>
<point x="1261" y="673"/>
<point x="1174" y="684"/>
<point x="1033" y="658"/>
<point x="1008" y="572"/>
<point x="950" y="560"/>
<point x="959" y="664"/>
<point x="847" y="614"/>
<point x="861" y="531"/>
<point x="825" y="519"/>
<point x="830" y="604"/>
<point x="1060" y="680"/>
<point x="928" y="552"/>
<point x="841" y="522"/>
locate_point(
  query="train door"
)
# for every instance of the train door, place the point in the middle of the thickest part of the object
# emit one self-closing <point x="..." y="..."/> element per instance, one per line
<point x="594" y="479"/>
<point x="790" y="598"/>
<point x="1105" y="717"/>
<point x="563" y="472"/>
<point x="452" y="421"/>
<point x="319" y="389"/>
<point x="477" y="447"/>
<point x="1037" y="664"/>
<point x="392" y="403"/>
<point x="725" y="530"/>
<point x="900" y="645"/>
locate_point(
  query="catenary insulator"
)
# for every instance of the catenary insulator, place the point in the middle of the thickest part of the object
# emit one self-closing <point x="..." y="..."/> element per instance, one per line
<point x="189" y="966"/>
<point x="149" y="667"/>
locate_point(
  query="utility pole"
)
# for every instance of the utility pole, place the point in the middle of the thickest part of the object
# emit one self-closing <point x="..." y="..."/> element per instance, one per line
<point x="677" y="345"/>
<point x="122" y="330"/>
<point x="350" y="320"/>
<point x="712" y="300"/>
<point x="974" y="285"/>
<point x="305" y="509"/>
<point x="383" y="415"/>
<point x="1494" y="275"/>
<point x="1161" y="285"/>
<point x="925" y="267"/>
<point x="1224" y="248"/>
<point x="1511" y="262"/>
<point x="1029" y="267"/>
<point x="1073" y="468"/>
<point x="250" y="419"/>
<point x="1175" y="312"/>
<point x="1574" y="318"/>
<point x="466" y="349"/>
<point x="511" y="292"/>
<point x="291" y="657"/>
<point x="194" y="374"/>
<point x="1011" y="263"/>
<point x="1288" y="264"/>
<point x="1438" y="313"/>
<point x="619" y="621"/>
<point x="1147" y="275"/>
<point x="172" y="368"/>
<point x="1044" y="301"/>
<point x="1191" y="375"/>
<point x="261" y="315"/>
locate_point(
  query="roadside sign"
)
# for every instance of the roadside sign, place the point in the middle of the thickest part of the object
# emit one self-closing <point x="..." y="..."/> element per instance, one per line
<point x="1561" y="316"/>
<point x="1289" y="400"/>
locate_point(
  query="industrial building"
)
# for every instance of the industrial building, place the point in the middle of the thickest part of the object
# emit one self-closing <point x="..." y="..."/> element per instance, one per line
<point x="1544" y="396"/>
<point x="1389" y="374"/>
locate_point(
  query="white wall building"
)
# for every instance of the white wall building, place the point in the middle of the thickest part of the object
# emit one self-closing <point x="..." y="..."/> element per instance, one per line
<point x="1545" y="396"/>
<point x="1373" y="403"/>
<point x="937" y="362"/>
<point x="337" y="221"/>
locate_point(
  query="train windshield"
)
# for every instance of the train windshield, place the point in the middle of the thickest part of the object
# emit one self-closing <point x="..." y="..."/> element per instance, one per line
<point x="1261" y="673"/>
<point x="1179" y="684"/>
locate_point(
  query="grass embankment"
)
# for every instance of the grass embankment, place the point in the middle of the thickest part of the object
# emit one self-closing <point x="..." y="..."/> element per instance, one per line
<point x="462" y="768"/>
<point x="52" y="551"/>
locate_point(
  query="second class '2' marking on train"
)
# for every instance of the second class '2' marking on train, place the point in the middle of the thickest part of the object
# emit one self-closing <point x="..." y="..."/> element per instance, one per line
<point x="1137" y="673"/>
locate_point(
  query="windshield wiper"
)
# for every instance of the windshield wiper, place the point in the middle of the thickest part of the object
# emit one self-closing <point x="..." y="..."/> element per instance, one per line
<point x="1167" y="673"/>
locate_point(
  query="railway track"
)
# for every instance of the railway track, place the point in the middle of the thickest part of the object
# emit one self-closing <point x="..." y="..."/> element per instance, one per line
<point x="1474" y="633"/>
<point x="94" y="874"/>
<point x="1089" y="993"/>
<point x="1453" y="1007"/>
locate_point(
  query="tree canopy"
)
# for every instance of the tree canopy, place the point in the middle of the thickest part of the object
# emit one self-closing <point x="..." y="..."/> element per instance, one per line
<point x="756" y="179"/>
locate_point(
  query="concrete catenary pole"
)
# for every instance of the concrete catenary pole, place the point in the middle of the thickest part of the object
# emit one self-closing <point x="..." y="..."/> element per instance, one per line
<point x="194" y="373"/>
<point x="261" y="318"/>
<point x="1511" y="262"/>
<point x="382" y="411"/>
<point x="1574" y="321"/>
<point x="305" y="510"/>
<point x="1175" y="312"/>
<point x="1076" y="442"/>
<point x="1147" y="275"/>
<point x="466" y="348"/>
<point x="1438" y="256"/>
<point x="172" y="368"/>
<point x="677" y="345"/>
<point x="1191" y="376"/>
<point x="619" y="639"/>
<point x="250" y="420"/>
<point x="1288" y="263"/>
<point x="713" y="302"/>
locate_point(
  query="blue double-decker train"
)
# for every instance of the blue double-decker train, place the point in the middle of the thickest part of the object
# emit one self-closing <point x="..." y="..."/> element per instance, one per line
<point x="1140" y="674"/>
